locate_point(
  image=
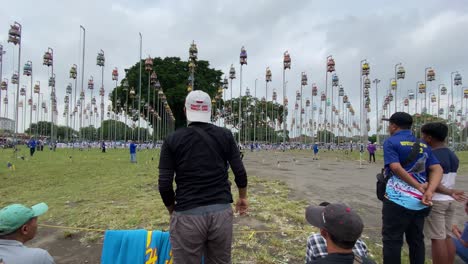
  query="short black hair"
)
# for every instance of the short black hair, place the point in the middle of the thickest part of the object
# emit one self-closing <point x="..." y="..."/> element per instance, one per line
<point x="324" y="203"/>
<point x="342" y="244"/>
<point x="437" y="130"/>
<point x="402" y="126"/>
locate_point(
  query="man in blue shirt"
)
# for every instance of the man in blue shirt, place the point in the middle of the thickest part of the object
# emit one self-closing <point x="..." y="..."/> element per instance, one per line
<point x="409" y="191"/>
<point x="32" y="146"/>
<point x="316" y="150"/>
<point x="133" y="152"/>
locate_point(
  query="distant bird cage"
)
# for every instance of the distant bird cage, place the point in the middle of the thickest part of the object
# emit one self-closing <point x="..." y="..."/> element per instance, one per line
<point x="115" y="74"/>
<point x="91" y="83"/>
<point x="441" y="111"/>
<point x="323" y="97"/>
<point x="23" y="91"/>
<point x="330" y="65"/>
<point x="433" y="98"/>
<point x="296" y="106"/>
<point x="390" y="97"/>
<point x="4" y="85"/>
<point x="366" y="93"/>
<point x="5" y="100"/>
<point x="243" y="56"/>
<point x="304" y="79"/>
<point x="285" y="101"/>
<point x="302" y="111"/>
<point x="232" y="72"/>
<point x="37" y="88"/>
<point x="406" y="102"/>
<point x="14" y="34"/>
<point x="132" y="93"/>
<point x="335" y="80"/>
<point x="424" y="110"/>
<point x="101" y="91"/>
<point x="443" y="90"/>
<point x="93" y="101"/>
<point x="457" y="79"/>
<point x="34" y="107"/>
<point x="286" y="60"/>
<point x="459" y="113"/>
<point x="52" y="81"/>
<point x="66" y="99"/>
<point x="153" y="78"/>
<point x="367" y="83"/>
<point x="100" y="60"/>
<point x="401" y="72"/>
<point x="365" y="69"/>
<point x="30" y="101"/>
<point x="48" y="58"/>
<point x="465" y="94"/>
<point x="20" y="104"/>
<point x="14" y="78"/>
<point x="314" y="90"/>
<point x="69" y="89"/>
<point x="345" y="99"/>
<point x="82" y="95"/>
<point x="193" y="51"/>
<point x="275" y="95"/>
<point x="393" y="84"/>
<point x="268" y="75"/>
<point x="422" y="88"/>
<point x="431" y="75"/>
<point x="307" y="102"/>
<point x="149" y="64"/>
<point x="298" y="95"/>
<point x="341" y="91"/>
<point x="73" y="72"/>
<point x="27" y="69"/>
<point x="411" y="96"/>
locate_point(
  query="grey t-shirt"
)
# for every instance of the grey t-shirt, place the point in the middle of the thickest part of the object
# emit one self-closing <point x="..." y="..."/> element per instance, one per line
<point x="14" y="252"/>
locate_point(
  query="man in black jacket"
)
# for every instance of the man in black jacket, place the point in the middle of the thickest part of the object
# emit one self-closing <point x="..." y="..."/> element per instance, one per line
<point x="198" y="157"/>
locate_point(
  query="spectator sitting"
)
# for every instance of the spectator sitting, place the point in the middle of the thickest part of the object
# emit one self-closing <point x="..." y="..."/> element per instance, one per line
<point x="18" y="224"/>
<point x="341" y="227"/>
<point x="317" y="246"/>
<point x="461" y="239"/>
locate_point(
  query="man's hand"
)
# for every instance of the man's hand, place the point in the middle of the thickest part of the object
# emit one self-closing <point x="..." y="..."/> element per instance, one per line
<point x="427" y="198"/>
<point x="456" y="231"/>
<point x="458" y="195"/>
<point x="422" y="187"/>
<point x="241" y="206"/>
<point x="170" y="209"/>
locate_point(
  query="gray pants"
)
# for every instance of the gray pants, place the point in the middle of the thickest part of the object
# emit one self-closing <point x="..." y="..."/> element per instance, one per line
<point x="196" y="235"/>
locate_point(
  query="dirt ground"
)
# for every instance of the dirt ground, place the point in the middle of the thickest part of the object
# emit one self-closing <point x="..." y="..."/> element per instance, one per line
<point x="331" y="179"/>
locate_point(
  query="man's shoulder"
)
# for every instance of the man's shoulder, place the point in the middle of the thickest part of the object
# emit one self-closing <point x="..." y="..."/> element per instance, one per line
<point x="39" y="255"/>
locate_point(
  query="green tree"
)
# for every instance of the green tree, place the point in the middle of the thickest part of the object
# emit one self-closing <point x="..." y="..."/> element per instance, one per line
<point x="255" y="116"/>
<point x="42" y="128"/>
<point x="113" y="129"/>
<point x="173" y="74"/>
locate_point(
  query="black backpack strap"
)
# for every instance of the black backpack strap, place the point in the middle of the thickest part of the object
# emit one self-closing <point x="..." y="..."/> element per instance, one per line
<point x="414" y="153"/>
<point x="210" y="142"/>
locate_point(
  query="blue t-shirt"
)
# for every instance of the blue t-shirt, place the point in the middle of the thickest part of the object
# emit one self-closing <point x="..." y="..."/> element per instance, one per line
<point x="316" y="149"/>
<point x="462" y="251"/>
<point x="132" y="148"/>
<point x="396" y="150"/>
<point x="32" y="143"/>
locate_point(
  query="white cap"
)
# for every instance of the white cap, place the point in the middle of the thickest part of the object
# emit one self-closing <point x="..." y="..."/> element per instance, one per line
<point x="198" y="107"/>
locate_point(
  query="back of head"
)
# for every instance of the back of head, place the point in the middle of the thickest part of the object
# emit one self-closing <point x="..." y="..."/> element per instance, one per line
<point x="436" y="130"/>
<point x="343" y="224"/>
<point x="198" y="107"/>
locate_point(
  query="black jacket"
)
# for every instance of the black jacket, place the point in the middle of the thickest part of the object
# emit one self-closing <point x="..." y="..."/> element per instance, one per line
<point x="201" y="177"/>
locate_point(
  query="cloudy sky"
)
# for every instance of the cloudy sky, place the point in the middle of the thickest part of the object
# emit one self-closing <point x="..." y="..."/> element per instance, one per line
<point x="418" y="34"/>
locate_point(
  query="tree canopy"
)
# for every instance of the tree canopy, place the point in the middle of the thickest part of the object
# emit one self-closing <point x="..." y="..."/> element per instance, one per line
<point x="173" y="75"/>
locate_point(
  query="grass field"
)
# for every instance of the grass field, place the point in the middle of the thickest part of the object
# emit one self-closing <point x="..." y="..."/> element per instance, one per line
<point x="90" y="189"/>
<point x="103" y="190"/>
